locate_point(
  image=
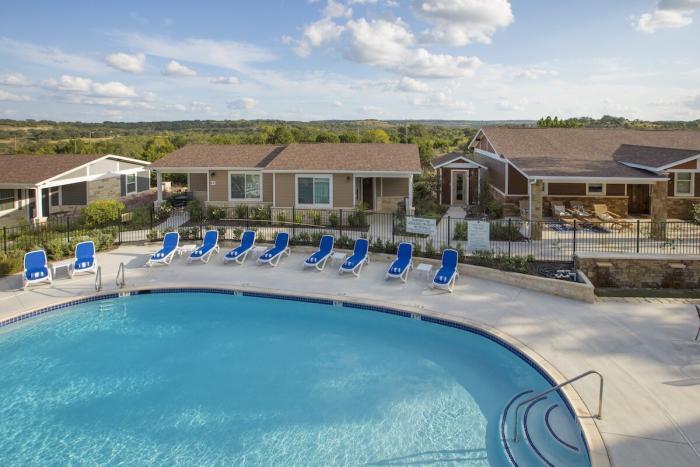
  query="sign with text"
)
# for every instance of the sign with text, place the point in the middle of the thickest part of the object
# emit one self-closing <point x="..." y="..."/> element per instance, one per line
<point x="478" y="235"/>
<point x="420" y="225"/>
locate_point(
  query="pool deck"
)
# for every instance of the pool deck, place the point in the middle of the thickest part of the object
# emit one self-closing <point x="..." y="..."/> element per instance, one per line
<point x="644" y="348"/>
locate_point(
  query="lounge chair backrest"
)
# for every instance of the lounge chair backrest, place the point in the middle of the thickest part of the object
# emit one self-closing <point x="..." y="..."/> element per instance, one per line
<point x="282" y="240"/>
<point x="326" y="244"/>
<point x="600" y="208"/>
<point x="576" y="204"/>
<point x="450" y="259"/>
<point x="558" y="208"/>
<point x="171" y="240"/>
<point x="248" y="238"/>
<point x="211" y="237"/>
<point x="361" y="247"/>
<point x="35" y="259"/>
<point x="85" y="249"/>
<point x="405" y="250"/>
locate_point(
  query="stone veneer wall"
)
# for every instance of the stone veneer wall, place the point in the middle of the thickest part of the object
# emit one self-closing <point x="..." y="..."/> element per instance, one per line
<point x="618" y="205"/>
<point x="640" y="271"/>
<point x="681" y="208"/>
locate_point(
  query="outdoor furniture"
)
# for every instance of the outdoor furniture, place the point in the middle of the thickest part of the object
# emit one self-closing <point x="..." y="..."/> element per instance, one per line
<point x="36" y="268"/>
<point x="210" y="244"/>
<point x="524" y="206"/>
<point x="319" y="258"/>
<point x="601" y="212"/>
<point x="171" y="243"/>
<point x="697" y="308"/>
<point x="258" y="250"/>
<point x="358" y="259"/>
<point x="562" y="214"/>
<point x="447" y="275"/>
<point x="240" y="253"/>
<point x="84" y="258"/>
<point x="403" y="262"/>
<point x="61" y="265"/>
<point x="273" y="255"/>
<point x="425" y="268"/>
<point x="338" y="257"/>
<point x="578" y="209"/>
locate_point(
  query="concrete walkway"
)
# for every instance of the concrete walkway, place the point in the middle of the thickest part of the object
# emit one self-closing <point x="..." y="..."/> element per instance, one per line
<point x="645" y="350"/>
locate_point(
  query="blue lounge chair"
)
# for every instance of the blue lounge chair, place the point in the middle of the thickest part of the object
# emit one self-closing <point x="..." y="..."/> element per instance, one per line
<point x="319" y="258"/>
<point x="447" y="275"/>
<point x="403" y="262"/>
<point x="210" y="244"/>
<point x="358" y="259"/>
<point x="36" y="268"/>
<point x="84" y="258"/>
<point x="171" y="245"/>
<point x="272" y="255"/>
<point x="240" y="253"/>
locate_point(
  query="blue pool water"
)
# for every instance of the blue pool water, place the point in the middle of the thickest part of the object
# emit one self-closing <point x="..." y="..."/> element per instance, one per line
<point x="194" y="378"/>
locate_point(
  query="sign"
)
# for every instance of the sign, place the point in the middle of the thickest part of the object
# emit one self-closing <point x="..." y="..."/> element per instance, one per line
<point x="420" y="225"/>
<point x="478" y="235"/>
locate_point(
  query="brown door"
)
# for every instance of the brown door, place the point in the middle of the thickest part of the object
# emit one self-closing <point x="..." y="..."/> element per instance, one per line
<point x="368" y="193"/>
<point x="639" y="199"/>
<point x="473" y="186"/>
<point x="459" y="188"/>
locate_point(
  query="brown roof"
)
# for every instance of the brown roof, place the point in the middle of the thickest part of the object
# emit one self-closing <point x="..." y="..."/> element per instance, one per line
<point x="31" y="169"/>
<point x="220" y="155"/>
<point x="585" y="151"/>
<point x="651" y="156"/>
<point x="446" y="158"/>
<point x="361" y="157"/>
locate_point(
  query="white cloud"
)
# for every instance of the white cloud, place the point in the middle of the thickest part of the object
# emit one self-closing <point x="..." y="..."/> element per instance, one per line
<point x="669" y="14"/>
<point x="180" y="107"/>
<point x="508" y="104"/>
<point x="132" y="63"/>
<point x="15" y="79"/>
<point x="245" y="103"/>
<point x="175" y="68"/>
<point x="338" y="104"/>
<point x="535" y="73"/>
<point x="224" y="80"/>
<point x="694" y="103"/>
<point x="202" y="107"/>
<point x="79" y="85"/>
<point x="51" y="56"/>
<point x="322" y="31"/>
<point x="8" y="96"/>
<point x="411" y="85"/>
<point x="336" y="9"/>
<point x="460" y="22"/>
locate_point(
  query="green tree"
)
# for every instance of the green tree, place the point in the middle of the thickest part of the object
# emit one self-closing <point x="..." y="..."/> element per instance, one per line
<point x="281" y="135"/>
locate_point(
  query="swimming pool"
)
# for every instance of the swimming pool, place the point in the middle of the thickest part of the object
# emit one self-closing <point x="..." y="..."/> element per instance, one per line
<point x="213" y="378"/>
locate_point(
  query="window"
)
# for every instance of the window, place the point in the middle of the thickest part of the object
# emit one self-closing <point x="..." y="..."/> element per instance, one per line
<point x="684" y="184"/>
<point x="54" y="196"/>
<point x="131" y="183"/>
<point x="245" y="186"/>
<point x="314" y="190"/>
<point x="7" y="200"/>
<point x="595" y="189"/>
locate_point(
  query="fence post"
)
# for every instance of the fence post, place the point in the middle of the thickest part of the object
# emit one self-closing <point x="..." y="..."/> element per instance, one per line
<point x="152" y="215"/>
<point x="574" y="250"/>
<point x="68" y="230"/>
<point x="393" y="228"/>
<point x="638" y="235"/>
<point x="119" y="231"/>
<point x="449" y="232"/>
<point x="510" y="234"/>
<point x="294" y="221"/>
<point x="340" y="223"/>
<point x="4" y="239"/>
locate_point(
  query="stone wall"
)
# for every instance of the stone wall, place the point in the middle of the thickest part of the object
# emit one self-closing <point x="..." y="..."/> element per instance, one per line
<point x="640" y="271"/>
<point x="681" y="208"/>
<point x="618" y="205"/>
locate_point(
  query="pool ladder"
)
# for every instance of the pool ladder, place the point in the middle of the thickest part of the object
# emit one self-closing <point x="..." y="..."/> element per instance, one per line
<point x="98" y="279"/>
<point x="532" y="399"/>
<point x="121" y="280"/>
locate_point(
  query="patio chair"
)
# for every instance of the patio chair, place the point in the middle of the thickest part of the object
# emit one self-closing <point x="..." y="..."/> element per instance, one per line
<point x="209" y="245"/>
<point x="358" y="259"/>
<point x="320" y="257"/>
<point x="524" y="206"/>
<point x="171" y="245"/>
<point x="240" y="253"/>
<point x="447" y="275"/>
<point x="562" y="214"/>
<point x="273" y="255"/>
<point x="403" y="262"/>
<point x="579" y="210"/>
<point x="36" y="268"/>
<point x="84" y="259"/>
<point x="601" y="212"/>
<point x="697" y="308"/>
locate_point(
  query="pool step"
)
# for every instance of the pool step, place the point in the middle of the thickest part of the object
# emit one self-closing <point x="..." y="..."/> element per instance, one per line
<point x="106" y="305"/>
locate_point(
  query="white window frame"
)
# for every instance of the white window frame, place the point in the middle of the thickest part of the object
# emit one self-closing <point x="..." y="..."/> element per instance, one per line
<point x="14" y="202"/>
<point x="691" y="184"/>
<point x="595" y="193"/>
<point x="245" y="173"/>
<point x="329" y="177"/>
<point x="126" y="184"/>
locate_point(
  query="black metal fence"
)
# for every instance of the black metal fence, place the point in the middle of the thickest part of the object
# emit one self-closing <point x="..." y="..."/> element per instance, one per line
<point x="545" y="240"/>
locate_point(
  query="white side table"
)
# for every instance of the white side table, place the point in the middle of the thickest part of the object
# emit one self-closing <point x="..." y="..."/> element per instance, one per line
<point x="425" y="267"/>
<point x="257" y="251"/>
<point x="338" y="257"/>
<point x="62" y="265"/>
<point x="185" y="249"/>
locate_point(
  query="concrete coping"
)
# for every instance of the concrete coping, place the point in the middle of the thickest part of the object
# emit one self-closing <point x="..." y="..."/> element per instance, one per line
<point x="677" y="265"/>
<point x="603" y="264"/>
<point x="637" y="256"/>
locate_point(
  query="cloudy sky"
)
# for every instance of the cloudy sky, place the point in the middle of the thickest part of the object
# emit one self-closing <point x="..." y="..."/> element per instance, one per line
<point x="350" y="59"/>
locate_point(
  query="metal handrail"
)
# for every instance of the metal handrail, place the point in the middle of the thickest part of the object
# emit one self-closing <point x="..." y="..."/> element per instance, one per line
<point x="120" y="272"/>
<point x="599" y="415"/>
<point x="98" y="279"/>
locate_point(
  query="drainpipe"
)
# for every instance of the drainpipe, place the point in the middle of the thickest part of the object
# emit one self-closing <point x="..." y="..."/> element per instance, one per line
<point x="529" y="209"/>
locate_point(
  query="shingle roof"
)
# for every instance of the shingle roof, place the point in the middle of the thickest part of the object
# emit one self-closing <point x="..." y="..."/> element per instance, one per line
<point x="220" y="155"/>
<point x="359" y="157"/>
<point x="446" y="158"/>
<point x="651" y="156"/>
<point x="585" y="151"/>
<point x="355" y="157"/>
<point x="31" y="169"/>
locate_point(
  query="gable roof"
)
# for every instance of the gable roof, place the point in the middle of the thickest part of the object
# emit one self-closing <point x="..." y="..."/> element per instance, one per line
<point x="588" y="152"/>
<point x="446" y="159"/>
<point x="313" y="157"/>
<point x="651" y="156"/>
<point x="32" y="169"/>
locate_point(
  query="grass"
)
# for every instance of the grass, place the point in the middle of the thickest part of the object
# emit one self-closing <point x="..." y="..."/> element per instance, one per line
<point x="647" y="293"/>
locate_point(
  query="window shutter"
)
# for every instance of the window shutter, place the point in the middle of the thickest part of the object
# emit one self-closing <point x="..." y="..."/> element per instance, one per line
<point x="122" y="183"/>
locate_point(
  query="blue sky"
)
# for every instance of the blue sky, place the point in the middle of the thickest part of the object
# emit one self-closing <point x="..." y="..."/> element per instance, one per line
<point x="350" y="59"/>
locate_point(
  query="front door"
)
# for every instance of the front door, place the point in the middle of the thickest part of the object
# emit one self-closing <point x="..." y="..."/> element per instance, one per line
<point x="639" y="199"/>
<point x="368" y="193"/>
<point x="460" y="188"/>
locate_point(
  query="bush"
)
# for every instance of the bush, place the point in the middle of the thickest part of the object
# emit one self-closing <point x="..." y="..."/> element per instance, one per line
<point x="333" y="219"/>
<point x="489" y="259"/>
<point x="358" y="218"/>
<point x="281" y="217"/>
<point x="216" y="213"/>
<point x="102" y="212"/>
<point x="241" y="211"/>
<point x="695" y="211"/>
<point x="461" y="231"/>
<point x="195" y="209"/>
<point x="261" y="213"/>
<point x="315" y="217"/>
<point x="11" y="262"/>
<point x="302" y="238"/>
<point x="430" y="249"/>
<point x="162" y="211"/>
<point x="504" y="231"/>
<point x="344" y="242"/>
<point x="237" y="232"/>
<point x="57" y="248"/>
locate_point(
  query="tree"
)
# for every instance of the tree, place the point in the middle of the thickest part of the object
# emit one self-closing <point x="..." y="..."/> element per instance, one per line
<point x="281" y="135"/>
<point x="376" y="136"/>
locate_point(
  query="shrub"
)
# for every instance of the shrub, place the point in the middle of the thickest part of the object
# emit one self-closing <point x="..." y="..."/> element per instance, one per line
<point x="315" y="217"/>
<point x="500" y="261"/>
<point x="298" y="218"/>
<point x="333" y="219"/>
<point x="152" y="235"/>
<point x="303" y="238"/>
<point x="261" y="213"/>
<point x="11" y="262"/>
<point x="390" y="247"/>
<point x="102" y="212"/>
<point x="163" y="211"/>
<point x="216" y="213"/>
<point x="56" y="248"/>
<point x="377" y="245"/>
<point x="241" y="211"/>
<point x="344" y="242"/>
<point x="282" y="217"/>
<point x="429" y="249"/>
<point x="461" y="231"/>
<point x="237" y="232"/>
<point x="315" y="237"/>
<point x="504" y="231"/>
<point x="695" y="211"/>
<point x="358" y="218"/>
<point x="195" y="209"/>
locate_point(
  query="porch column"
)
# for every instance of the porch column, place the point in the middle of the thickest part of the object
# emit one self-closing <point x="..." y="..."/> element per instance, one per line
<point x="659" y="193"/>
<point x="38" y="206"/>
<point x="409" y="207"/>
<point x="536" y="210"/>
<point x="159" y="186"/>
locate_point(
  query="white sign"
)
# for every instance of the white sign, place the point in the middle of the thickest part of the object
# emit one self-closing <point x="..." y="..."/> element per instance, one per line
<point x="420" y="225"/>
<point x="478" y="235"/>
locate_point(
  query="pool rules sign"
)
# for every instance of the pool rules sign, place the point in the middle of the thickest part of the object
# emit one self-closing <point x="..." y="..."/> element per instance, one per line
<point x="478" y="235"/>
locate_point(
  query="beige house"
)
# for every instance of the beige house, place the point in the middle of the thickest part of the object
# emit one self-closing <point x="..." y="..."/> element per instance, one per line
<point x="35" y="187"/>
<point x="318" y="176"/>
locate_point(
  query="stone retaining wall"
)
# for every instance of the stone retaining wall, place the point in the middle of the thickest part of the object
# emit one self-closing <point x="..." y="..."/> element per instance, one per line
<point x="681" y="208"/>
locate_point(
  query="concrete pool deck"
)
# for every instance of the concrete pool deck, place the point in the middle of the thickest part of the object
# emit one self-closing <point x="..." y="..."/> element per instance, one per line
<point x="645" y="349"/>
